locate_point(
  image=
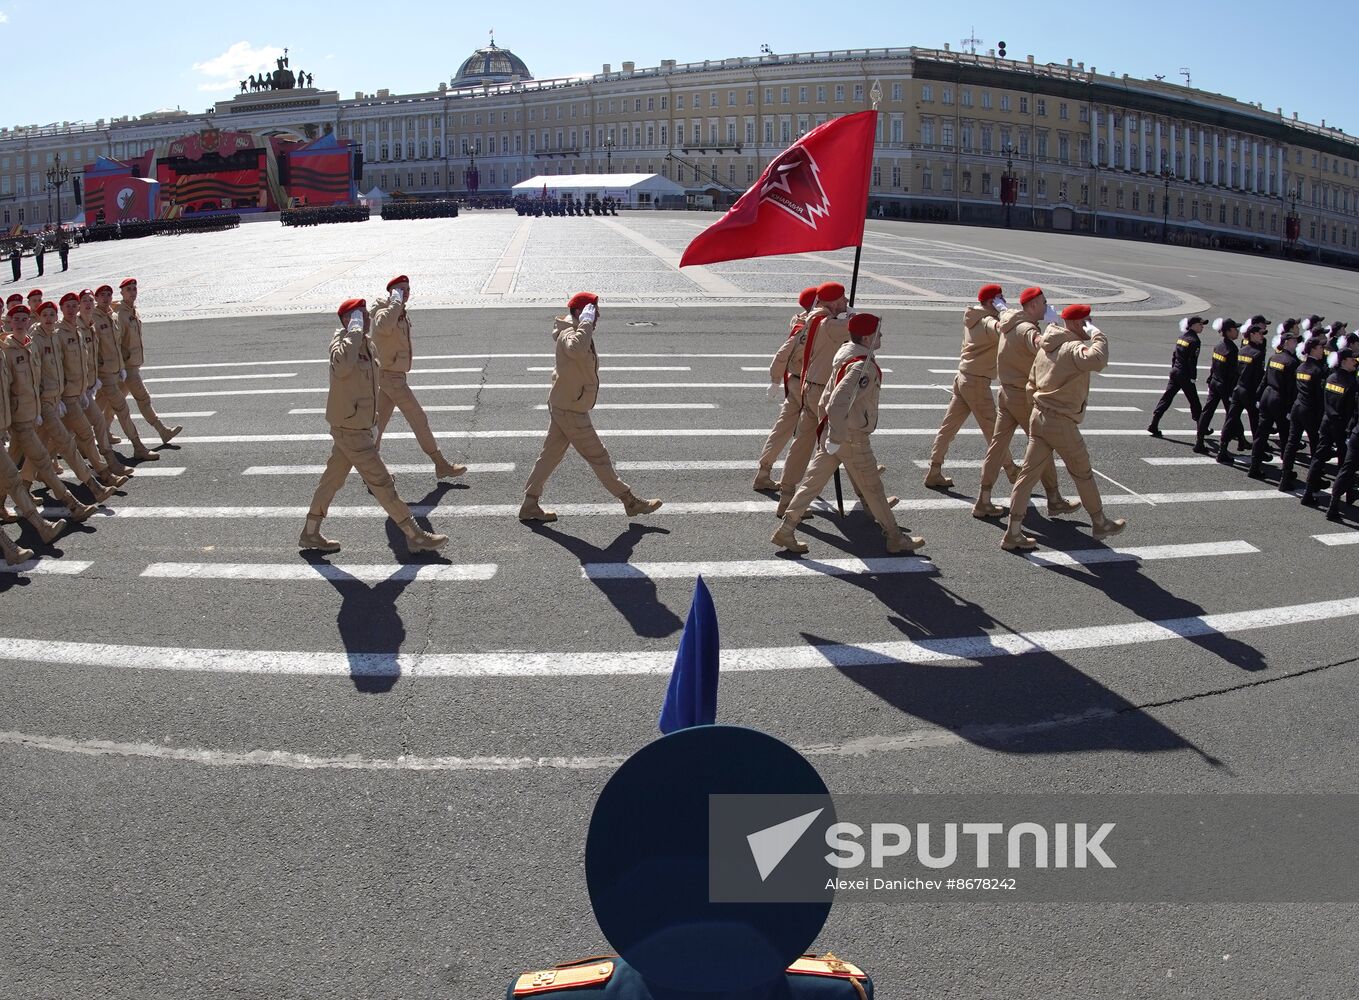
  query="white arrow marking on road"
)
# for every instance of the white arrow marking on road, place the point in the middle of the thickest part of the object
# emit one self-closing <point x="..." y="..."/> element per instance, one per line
<point x="47" y="567"/>
<point x="523" y="663"/>
<point x="771" y="567"/>
<point x="369" y="573"/>
<point x="220" y="378"/>
<point x="1147" y="553"/>
<point x="316" y="470"/>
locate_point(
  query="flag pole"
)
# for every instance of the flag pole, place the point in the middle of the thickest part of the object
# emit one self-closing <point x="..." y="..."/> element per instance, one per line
<point x="876" y="95"/>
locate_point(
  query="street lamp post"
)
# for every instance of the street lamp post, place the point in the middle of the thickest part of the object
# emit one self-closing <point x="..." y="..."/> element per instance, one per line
<point x="608" y="154"/>
<point x="57" y="175"/>
<point x="473" y="178"/>
<point x="1007" y="187"/>
<point x="1166" y="175"/>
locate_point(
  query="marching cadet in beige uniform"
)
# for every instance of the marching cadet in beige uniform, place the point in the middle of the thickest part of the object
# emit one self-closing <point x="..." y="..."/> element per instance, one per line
<point x="351" y="411"/>
<point x="71" y="362"/>
<point x="575" y="389"/>
<point x="1020" y="334"/>
<point x="827" y="330"/>
<point x="25" y="415"/>
<point x="12" y="483"/>
<point x="972" y="385"/>
<point x="1060" y="388"/>
<point x="392" y="341"/>
<point x="57" y="440"/>
<point x="850" y="403"/>
<point x="112" y="373"/>
<point x="785" y="383"/>
<point x="89" y="344"/>
<point x="129" y="327"/>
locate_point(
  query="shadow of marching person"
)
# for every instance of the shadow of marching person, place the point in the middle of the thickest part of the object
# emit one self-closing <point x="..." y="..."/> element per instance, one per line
<point x="371" y="628"/>
<point x="629" y="590"/>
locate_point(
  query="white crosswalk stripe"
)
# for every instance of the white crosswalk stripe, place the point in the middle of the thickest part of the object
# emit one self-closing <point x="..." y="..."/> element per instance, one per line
<point x="643" y="406"/>
<point x="175" y="416"/>
<point x="968" y="648"/>
<point x="220" y="378"/>
<point x="473" y="468"/>
<point x="47" y="567"/>
<point x="1146" y="553"/>
<point x="1340" y="538"/>
<point x="320" y="410"/>
<point x="757" y="568"/>
<point x="363" y="573"/>
<point x="158" y="471"/>
<point x="629" y="368"/>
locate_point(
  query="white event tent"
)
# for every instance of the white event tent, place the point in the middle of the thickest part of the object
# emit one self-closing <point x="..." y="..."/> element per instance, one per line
<point x="632" y="190"/>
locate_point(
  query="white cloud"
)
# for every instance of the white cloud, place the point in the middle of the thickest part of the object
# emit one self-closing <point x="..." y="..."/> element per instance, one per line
<point x="238" y="62"/>
<point x="3" y="17"/>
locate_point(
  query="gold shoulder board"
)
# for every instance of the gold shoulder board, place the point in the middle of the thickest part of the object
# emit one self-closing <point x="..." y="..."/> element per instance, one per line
<point x="826" y="965"/>
<point x="596" y="972"/>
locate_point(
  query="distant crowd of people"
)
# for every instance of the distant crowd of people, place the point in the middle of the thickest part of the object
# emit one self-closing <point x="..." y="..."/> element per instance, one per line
<point x="591" y="205"/>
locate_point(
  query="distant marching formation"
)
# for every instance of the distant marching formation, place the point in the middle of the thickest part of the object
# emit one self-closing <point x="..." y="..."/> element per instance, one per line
<point x="65" y="370"/>
<point x="65" y="378"/>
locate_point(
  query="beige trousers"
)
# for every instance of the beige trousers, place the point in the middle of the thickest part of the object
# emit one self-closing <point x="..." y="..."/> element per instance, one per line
<point x="570" y="429"/>
<point x="971" y="397"/>
<point x="356" y="449"/>
<point x="13" y="484"/>
<point x="79" y="427"/>
<point x="784" y="426"/>
<point x="862" y="466"/>
<point x="804" y="443"/>
<point x="1015" y="411"/>
<point x="135" y="387"/>
<point x="25" y="443"/>
<point x="112" y="404"/>
<point x="1050" y="433"/>
<point x="394" y="393"/>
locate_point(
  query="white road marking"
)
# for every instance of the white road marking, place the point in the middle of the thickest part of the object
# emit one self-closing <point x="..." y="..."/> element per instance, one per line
<point x="913" y="406"/>
<point x="765" y="368"/>
<point x="1341" y="538"/>
<point x="630" y="368"/>
<point x="452" y="408"/>
<point x="186" y="413"/>
<point x="47" y="567"/>
<point x="1158" y="378"/>
<point x="644" y="406"/>
<point x="145" y="471"/>
<point x="758" y="568"/>
<point x="1182" y="460"/>
<point x="521" y="663"/>
<point x="613" y="509"/>
<point x="1127" y="489"/>
<point x="965" y="463"/>
<point x="713" y="465"/>
<point x="364" y="573"/>
<point x="445" y="371"/>
<point x="1146" y="553"/>
<point x="316" y="470"/>
<point x="220" y="378"/>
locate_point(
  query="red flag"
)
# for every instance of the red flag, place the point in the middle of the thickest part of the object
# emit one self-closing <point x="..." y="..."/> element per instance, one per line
<point x="812" y="196"/>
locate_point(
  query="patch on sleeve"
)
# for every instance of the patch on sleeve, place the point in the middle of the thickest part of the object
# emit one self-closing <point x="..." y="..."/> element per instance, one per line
<point x="863" y="381"/>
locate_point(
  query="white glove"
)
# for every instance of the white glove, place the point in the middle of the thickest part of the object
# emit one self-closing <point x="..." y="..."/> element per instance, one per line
<point x="1051" y="315"/>
<point x="774" y="392"/>
<point x="998" y="303"/>
<point x="356" y="322"/>
<point x="38" y="422"/>
<point x="397" y="297"/>
<point x="1091" y="328"/>
<point x="85" y="399"/>
<point x="832" y="447"/>
<point x="122" y="374"/>
<point x="61" y="408"/>
<point x="98" y="384"/>
<point x="588" y="314"/>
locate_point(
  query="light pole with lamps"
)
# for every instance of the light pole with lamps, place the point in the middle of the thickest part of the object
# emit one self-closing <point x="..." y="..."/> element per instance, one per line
<point x="1008" y="192"/>
<point x="608" y="153"/>
<point x="473" y="178"/>
<point x="1166" y="175"/>
<point x="57" y="175"/>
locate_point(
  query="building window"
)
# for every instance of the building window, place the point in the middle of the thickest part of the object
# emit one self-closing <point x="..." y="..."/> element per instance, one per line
<point x="1273" y="222"/>
<point x="926" y="183"/>
<point x="926" y="93"/>
<point x="1085" y="194"/>
<point x="1118" y="200"/>
<point x="783" y="95"/>
<point x="802" y="95"/>
<point x="731" y="98"/>
<point x="712" y="99"/>
<point x="858" y="93"/>
<point x="896" y="91"/>
<point x="967" y="182"/>
<point x="1104" y="195"/>
<point x="896" y="177"/>
<point x="986" y="184"/>
<point x="1042" y="187"/>
<point x="1023" y="105"/>
<point x="877" y="175"/>
<point x="1042" y="108"/>
<point x="820" y="95"/>
<point x="839" y="92"/>
<point x="946" y="184"/>
<point x="750" y="173"/>
<point x="945" y="96"/>
<point x="1024" y="144"/>
<point x="986" y="138"/>
<point x="1063" y="149"/>
<point x="1005" y="102"/>
<point x="927" y="132"/>
<point x="947" y="133"/>
<point x="965" y="97"/>
<point x="1137" y="201"/>
<point x="986" y="99"/>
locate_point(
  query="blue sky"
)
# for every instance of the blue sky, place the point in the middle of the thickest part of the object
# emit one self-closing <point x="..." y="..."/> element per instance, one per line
<point x="159" y="54"/>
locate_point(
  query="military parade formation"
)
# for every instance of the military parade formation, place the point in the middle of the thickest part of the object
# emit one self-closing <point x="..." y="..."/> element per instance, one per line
<point x="67" y="368"/>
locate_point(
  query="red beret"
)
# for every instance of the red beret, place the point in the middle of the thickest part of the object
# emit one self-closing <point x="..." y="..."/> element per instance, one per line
<point x="20" y="308"/>
<point x="35" y="294"/>
<point x="397" y="280"/>
<point x="47" y="305"/>
<point x="1076" y="311"/>
<point x="102" y="289"/>
<point x="988" y="292"/>
<point x="127" y="281"/>
<point x="1029" y="294"/>
<point x="807" y="298"/>
<point x="831" y="291"/>
<point x="86" y="291"/>
<point x="349" y="305"/>
<point x="863" y="324"/>
<point x="582" y="299"/>
<point x="16" y="297"/>
<point x="69" y="297"/>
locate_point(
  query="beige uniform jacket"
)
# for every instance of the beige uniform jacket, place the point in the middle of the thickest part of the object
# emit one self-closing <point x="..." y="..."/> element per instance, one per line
<point x="73" y="358"/>
<point x="851" y="398"/>
<point x="787" y="361"/>
<point x="47" y="353"/>
<point x="1019" y="339"/>
<point x="129" y="327"/>
<point x="1060" y="382"/>
<point x="352" y="401"/>
<point x="106" y="344"/>
<point x="821" y="340"/>
<point x="575" y="376"/>
<point x="89" y="344"/>
<point x="980" y="341"/>
<point x="392" y="336"/>
<point x="23" y="383"/>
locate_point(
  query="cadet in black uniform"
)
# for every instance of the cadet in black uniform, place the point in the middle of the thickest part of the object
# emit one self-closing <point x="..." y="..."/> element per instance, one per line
<point x="1276" y="398"/>
<point x="1184" y="374"/>
<point x="1221" y="377"/>
<point x="1337" y="415"/>
<point x="1251" y="372"/>
<point x="1344" y="483"/>
<point x="1305" y="416"/>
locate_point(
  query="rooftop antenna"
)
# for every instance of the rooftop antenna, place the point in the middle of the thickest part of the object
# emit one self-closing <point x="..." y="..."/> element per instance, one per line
<point x="492" y="34"/>
<point x="1184" y="72"/>
<point x="1159" y="77"/>
<point x="971" y="42"/>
